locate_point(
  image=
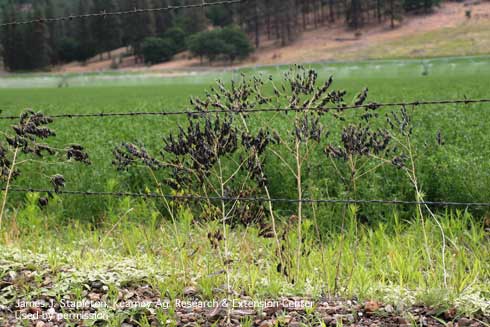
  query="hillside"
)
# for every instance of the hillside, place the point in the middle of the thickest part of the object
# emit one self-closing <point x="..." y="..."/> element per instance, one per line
<point x="447" y="32"/>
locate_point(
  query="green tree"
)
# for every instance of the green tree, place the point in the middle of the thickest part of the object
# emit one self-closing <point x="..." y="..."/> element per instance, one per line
<point x="83" y="33"/>
<point x="192" y="20"/>
<point x="155" y="50"/>
<point x="207" y="44"/>
<point x="220" y="15"/>
<point x="69" y="50"/>
<point x="237" y="44"/>
<point x="39" y="41"/>
<point x="418" y="5"/>
<point x="137" y="27"/>
<point x="197" y="45"/>
<point x="178" y="36"/>
<point x="394" y="10"/>
<point x="229" y="42"/>
<point x="11" y="39"/>
<point x="165" y="19"/>
<point x="55" y="30"/>
<point x="106" y="29"/>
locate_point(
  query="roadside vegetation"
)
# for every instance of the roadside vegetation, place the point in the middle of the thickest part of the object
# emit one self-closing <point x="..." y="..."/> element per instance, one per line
<point x="382" y="260"/>
<point x="146" y="260"/>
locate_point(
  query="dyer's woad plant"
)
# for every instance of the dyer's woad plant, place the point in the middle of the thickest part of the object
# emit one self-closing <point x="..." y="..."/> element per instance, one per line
<point x="226" y="150"/>
<point x="25" y="142"/>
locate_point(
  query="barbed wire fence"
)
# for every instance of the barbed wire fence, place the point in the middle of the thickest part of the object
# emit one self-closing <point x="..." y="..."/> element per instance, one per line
<point x="150" y="195"/>
<point x="369" y="106"/>
<point x="204" y="4"/>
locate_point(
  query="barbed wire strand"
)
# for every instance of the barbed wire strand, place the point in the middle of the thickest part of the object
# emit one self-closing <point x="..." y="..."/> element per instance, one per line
<point x="104" y="14"/>
<point x="372" y="106"/>
<point x="251" y="199"/>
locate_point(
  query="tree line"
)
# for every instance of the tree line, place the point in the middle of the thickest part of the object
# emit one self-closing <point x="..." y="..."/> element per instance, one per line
<point x="162" y="34"/>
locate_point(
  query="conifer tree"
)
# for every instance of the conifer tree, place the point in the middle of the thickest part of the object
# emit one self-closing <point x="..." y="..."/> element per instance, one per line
<point x="106" y="30"/>
<point x="83" y="32"/>
<point x="40" y="51"/>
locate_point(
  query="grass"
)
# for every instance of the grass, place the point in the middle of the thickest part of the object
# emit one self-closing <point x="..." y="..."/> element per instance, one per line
<point x="390" y="262"/>
<point x="128" y="241"/>
<point x="468" y="39"/>
<point x="387" y="81"/>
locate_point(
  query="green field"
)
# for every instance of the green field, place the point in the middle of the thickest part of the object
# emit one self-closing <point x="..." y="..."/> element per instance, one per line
<point x="384" y="243"/>
<point x="457" y="173"/>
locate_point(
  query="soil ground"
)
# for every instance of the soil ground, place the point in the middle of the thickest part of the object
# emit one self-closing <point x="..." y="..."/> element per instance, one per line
<point x="143" y="303"/>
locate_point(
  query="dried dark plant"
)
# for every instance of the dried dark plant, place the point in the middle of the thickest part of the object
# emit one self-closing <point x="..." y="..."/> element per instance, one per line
<point x="300" y="91"/>
<point x="208" y="158"/>
<point x="352" y="159"/>
<point x="222" y="152"/>
<point x="309" y="98"/>
<point x="26" y="139"/>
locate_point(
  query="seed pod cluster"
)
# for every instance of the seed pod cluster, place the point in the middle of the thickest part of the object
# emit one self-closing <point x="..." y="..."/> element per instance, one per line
<point x="308" y="127"/>
<point x="241" y="96"/>
<point x="6" y="164"/>
<point x="24" y="138"/>
<point x="77" y="153"/>
<point x="301" y="80"/>
<point x="128" y="154"/>
<point x="361" y="97"/>
<point x="399" y="161"/>
<point x="215" y="238"/>
<point x="256" y="146"/>
<point x="259" y="142"/>
<point x="58" y="182"/>
<point x="204" y="142"/>
<point x="247" y="213"/>
<point x="400" y="122"/>
<point x="307" y="94"/>
<point x="360" y="141"/>
<point x="179" y="177"/>
<point x="43" y="201"/>
<point x="31" y="127"/>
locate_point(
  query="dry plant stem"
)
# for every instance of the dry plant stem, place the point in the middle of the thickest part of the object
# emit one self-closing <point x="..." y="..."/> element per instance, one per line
<point x="225" y="242"/>
<point x="109" y="232"/>
<point x="421" y="199"/>
<point x="9" y="178"/>
<point x="300" y="206"/>
<point x="269" y="202"/>
<point x="443" y="250"/>
<point x="354" y="190"/>
<point x="319" y="235"/>
<point x="340" y="252"/>
<point x="174" y="222"/>
<point x="349" y="187"/>
<point x="229" y="213"/>
<point x="288" y="166"/>
<point x="413" y="177"/>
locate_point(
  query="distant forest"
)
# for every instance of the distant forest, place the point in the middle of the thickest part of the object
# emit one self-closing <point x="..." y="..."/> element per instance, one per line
<point x="41" y="46"/>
